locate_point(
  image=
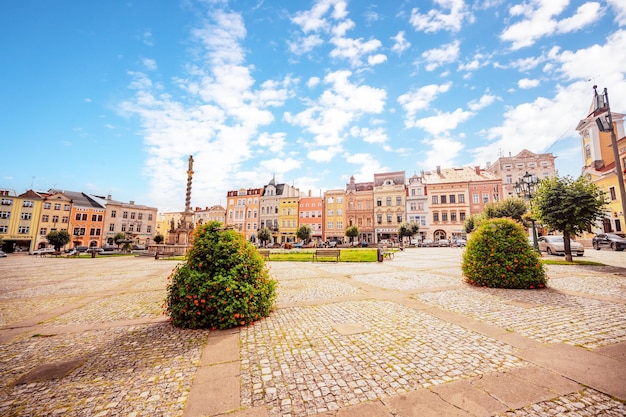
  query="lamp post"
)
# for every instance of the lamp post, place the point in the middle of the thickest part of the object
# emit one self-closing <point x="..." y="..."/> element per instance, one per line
<point x="524" y="188"/>
<point x="605" y="124"/>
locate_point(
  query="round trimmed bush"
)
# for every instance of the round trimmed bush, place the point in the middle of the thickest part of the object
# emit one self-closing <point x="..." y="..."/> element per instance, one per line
<point x="498" y="256"/>
<point x="223" y="283"/>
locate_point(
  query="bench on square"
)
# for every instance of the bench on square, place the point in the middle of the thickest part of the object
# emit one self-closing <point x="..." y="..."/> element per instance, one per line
<point x="387" y="253"/>
<point x="265" y="253"/>
<point x="326" y="253"/>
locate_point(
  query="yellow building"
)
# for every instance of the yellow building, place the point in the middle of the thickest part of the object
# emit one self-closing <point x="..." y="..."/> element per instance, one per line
<point x="19" y="219"/>
<point x="55" y="216"/>
<point x="600" y="168"/>
<point x="389" y="205"/>
<point x="334" y="215"/>
<point x="288" y="219"/>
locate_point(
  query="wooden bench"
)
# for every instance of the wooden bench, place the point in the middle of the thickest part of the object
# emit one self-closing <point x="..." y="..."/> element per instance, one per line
<point x="265" y="253"/>
<point x="387" y="253"/>
<point x="327" y="253"/>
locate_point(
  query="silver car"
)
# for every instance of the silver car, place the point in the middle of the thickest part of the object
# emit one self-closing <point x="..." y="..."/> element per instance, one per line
<point x="554" y="245"/>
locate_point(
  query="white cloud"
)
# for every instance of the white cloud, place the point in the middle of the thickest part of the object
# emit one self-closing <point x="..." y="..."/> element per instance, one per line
<point x="420" y="99"/>
<point x="368" y="166"/>
<point x="619" y="9"/>
<point x="540" y="19"/>
<point x="149" y="64"/>
<point x="313" y="81"/>
<point x="376" y="135"/>
<point x="376" y="59"/>
<point x="443" y="121"/>
<point x="400" y="43"/>
<point x="525" y="83"/>
<point x="436" y="20"/>
<point x="279" y="166"/>
<point x="484" y="101"/>
<point x="439" y="56"/>
<point x="443" y="152"/>
<point x="220" y="109"/>
<point x="337" y="107"/>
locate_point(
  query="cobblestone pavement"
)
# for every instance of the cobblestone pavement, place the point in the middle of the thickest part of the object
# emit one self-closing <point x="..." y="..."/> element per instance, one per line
<point x="86" y="337"/>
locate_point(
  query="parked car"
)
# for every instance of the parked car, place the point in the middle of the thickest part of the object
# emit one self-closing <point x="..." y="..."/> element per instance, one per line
<point x="298" y="245"/>
<point x="3" y="254"/>
<point x="94" y="249"/>
<point x="108" y="248"/>
<point x="443" y="243"/>
<point x="609" y="240"/>
<point x="554" y="245"/>
<point x="460" y="243"/>
<point x="427" y="243"/>
<point x="81" y="248"/>
<point x="364" y="244"/>
<point x="42" y="251"/>
<point x="139" y="247"/>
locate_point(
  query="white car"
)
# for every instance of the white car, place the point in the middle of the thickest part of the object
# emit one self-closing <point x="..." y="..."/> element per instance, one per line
<point x="42" y="251"/>
<point x="554" y="245"/>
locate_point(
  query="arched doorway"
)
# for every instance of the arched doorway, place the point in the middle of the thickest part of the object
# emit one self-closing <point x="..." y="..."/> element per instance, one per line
<point x="439" y="234"/>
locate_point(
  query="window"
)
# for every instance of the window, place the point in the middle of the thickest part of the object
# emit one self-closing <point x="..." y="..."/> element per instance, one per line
<point x="420" y="206"/>
<point x="79" y="231"/>
<point x="339" y="225"/>
<point x="26" y="215"/>
<point x="461" y="198"/>
<point x="618" y="225"/>
<point x="340" y="199"/>
<point x="4" y="229"/>
<point x="476" y="198"/>
<point x="509" y="179"/>
<point x="94" y="232"/>
<point x="462" y="216"/>
<point x="66" y="207"/>
<point x="444" y="216"/>
<point x="113" y="214"/>
<point x="23" y="230"/>
<point x="43" y="231"/>
<point x="453" y="216"/>
<point x="339" y="212"/>
<point x="379" y="202"/>
<point x="148" y="229"/>
<point x="452" y="199"/>
<point x="45" y="218"/>
<point x="398" y="201"/>
<point x="55" y="219"/>
<point x="57" y="206"/>
<point x="112" y="227"/>
<point x="132" y="215"/>
<point x="7" y="201"/>
<point x="443" y="199"/>
<point x="435" y="199"/>
<point x="27" y="204"/>
<point x="123" y="227"/>
<point x="389" y="218"/>
<point x="149" y="216"/>
<point x="485" y="197"/>
<point x="612" y="193"/>
<point x="435" y="217"/>
<point x="131" y="227"/>
<point x="139" y="216"/>
<point x="388" y="201"/>
<point x="399" y="218"/>
<point x="96" y="217"/>
<point x="330" y="212"/>
<point x="65" y="219"/>
<point x="5" y="214"/>
<point x="125" y="215"/>
<point x="379" y="218"/>
<point x="47" y="205"/>
<point x="330" y="225"/>
<point x="413" y="207"/>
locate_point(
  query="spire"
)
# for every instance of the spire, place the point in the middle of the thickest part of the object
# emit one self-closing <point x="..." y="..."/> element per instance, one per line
<point x="189" y="178"/>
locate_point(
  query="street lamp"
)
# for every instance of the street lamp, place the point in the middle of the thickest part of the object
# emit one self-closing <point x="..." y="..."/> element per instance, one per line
<point x="524" y="188"/>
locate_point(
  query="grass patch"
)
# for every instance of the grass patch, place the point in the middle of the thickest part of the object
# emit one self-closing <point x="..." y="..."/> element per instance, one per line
<point x="306" y="255"/>
<point x="564" y="262"/>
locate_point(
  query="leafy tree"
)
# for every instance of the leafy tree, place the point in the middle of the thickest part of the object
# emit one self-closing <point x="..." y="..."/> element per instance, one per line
<point x="472" y="222"/>
<point x="514" y="208"/>
<point x="304" y="232"/>
<point x="498" y="256"/>
<point x="158" y="239"/>
<point x="119" y="236"/>
<point x="408" y="229"/>
<point x="352" y="232"/>
<point x="223" y="282"/>
<point x="58" y="239"/>
<point x="569" y="206"/>
<point x="265" y="235"/>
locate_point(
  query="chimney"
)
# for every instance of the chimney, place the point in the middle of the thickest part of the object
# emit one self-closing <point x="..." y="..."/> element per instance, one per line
<point x="438" y="170"/>
<point x="309" y="193"/>
<point x="132" y="203"/>
<point x="477" y="169"/>
<point x="109" y="197"/>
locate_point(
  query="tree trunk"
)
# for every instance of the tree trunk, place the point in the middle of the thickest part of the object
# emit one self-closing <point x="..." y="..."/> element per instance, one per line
<point x="566" y="246"/>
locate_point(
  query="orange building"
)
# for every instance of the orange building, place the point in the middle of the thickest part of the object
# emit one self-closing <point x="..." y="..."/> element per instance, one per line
<point x="86" y="220"/>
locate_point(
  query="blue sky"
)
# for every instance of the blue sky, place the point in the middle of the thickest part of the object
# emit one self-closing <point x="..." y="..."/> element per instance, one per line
<point x="112" y="97"/>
